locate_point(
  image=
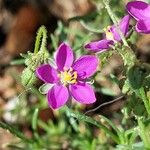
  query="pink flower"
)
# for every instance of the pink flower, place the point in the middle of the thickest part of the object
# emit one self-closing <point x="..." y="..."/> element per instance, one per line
<point x="111" y="36"/>
<point x="141" y="12"/>
<point x="69" y="77"/>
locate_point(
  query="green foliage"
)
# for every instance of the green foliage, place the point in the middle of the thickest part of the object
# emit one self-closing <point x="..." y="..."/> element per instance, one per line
<point x="69" y="128"/>
<point x="137" y="75"/>
<point x="33" y="60"/>
<point x="15" y="132"/>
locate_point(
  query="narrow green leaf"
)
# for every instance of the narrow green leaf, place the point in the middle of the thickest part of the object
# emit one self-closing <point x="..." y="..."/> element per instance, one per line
<point x="111" y="124"/>
<point x="90" y="120"/>
<point x="23" y="55"/>
<point x="44" y="126"/>
<point x="93" y="145"/>
<point x="15" y="132"/>
<point x="54" y="40"/>
<point x="114" y="79"/>
<point x="18" y="62"/>
<point x="14" y="147"/>
<point x="107" y="91"/>
<point x="34" y="119"/>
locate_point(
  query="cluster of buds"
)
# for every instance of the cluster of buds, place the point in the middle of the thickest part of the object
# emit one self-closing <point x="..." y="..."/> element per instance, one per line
<point x="33" y="60"/>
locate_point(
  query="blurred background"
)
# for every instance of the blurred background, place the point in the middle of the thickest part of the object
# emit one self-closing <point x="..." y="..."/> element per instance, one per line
<point x="74" y="21"/>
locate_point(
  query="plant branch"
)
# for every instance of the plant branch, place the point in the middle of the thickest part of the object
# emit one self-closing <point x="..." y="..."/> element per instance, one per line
<point x="113" y="18"/>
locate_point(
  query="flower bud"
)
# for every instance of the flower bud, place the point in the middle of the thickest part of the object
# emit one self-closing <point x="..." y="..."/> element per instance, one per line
<point x="28" y="77"/>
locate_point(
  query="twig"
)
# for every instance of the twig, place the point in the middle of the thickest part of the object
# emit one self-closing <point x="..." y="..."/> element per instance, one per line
<point x="104" y="104"/>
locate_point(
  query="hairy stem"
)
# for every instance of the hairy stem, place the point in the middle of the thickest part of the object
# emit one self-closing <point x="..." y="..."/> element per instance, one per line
<point x="145" y="99"/>
<point x="113" y="18"/>
<point x="142" y="133"/>
<point x="42" y="33"/>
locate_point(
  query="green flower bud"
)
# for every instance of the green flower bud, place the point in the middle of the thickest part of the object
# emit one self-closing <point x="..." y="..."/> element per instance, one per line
<point x="33" y="60"/>
<point x="28" y="77"/>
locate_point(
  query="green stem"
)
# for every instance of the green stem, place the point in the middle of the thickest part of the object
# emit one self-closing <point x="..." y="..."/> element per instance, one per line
<point x="142" y="133"/>
<point x="42" y="33"/>
<point x="15" y="132"/>
<point x="34" y="119"/>
<point x="90" y="120"/>
<point x="145" y="99"/>
<point x="113" y="18"/>
<point x="127" y="55"/>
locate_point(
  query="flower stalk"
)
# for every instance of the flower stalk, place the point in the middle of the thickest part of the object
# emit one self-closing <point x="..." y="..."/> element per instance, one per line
<point x="145" y="99"/>
<point x="127" y="53"/>
<point x="42" y="33"/>
<point x="113" y="18"/>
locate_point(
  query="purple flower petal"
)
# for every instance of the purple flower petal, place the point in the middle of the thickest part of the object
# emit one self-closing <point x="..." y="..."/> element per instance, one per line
<point x="99" y="46"/>
<point x="83" y="93"/>
<point x="64" y="56"/>
<point x="143" y="26"/>
<point x="124" y="27"/>
<point x="47" y="73"/>
<point x="57" y="96"/>
<point x="139" y="10"/>
<point x="85" y="66"/>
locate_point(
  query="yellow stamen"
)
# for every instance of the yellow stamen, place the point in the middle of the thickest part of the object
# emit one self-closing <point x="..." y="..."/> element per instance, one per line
<point x="75" y="75"/>
<point x="73" y="81"/>
<point x="109" y="34"/>
<point x="68" y="76"/>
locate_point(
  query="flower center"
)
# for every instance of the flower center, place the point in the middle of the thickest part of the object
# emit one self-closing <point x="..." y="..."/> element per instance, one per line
<point x="68" y="76"/>
<point x="109" y="34"/>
